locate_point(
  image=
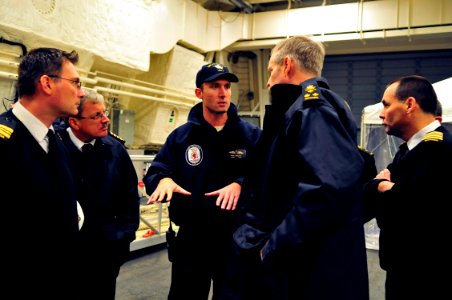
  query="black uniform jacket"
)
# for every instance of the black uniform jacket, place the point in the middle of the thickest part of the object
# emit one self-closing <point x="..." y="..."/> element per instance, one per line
<point x="39" y="215"/>
<point x="413" y="217"/>
<point x="307" y="213"/>
<point x="108" y="190"/>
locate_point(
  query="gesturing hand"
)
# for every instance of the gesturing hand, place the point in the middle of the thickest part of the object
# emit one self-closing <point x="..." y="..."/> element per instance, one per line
<point x="165" y="189"/>
<point x="227" y="196"/>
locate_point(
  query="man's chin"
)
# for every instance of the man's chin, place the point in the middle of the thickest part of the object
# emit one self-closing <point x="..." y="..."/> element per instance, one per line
<point x="103" y="133"/>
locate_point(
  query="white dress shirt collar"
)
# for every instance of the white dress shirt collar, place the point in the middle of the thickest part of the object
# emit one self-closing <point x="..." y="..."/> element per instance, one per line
<point x="77" y="142"/>
<point x="417" y="138"/>
<point x="37" y="129"/>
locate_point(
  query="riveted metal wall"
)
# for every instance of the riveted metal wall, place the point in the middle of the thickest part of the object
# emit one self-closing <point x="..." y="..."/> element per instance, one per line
<point x="362" y="78"/>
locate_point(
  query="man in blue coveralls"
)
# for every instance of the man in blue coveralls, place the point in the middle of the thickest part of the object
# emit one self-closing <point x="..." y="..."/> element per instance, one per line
<point x="200" y="169"/>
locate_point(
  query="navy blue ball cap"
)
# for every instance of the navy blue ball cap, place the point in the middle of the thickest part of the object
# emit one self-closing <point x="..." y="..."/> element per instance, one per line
<point x="213" y="71"/>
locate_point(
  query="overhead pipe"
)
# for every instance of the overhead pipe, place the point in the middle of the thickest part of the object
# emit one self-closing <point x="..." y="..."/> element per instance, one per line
<point x="143" y="83"/>
<point x="409" y="20"/>
<point x="289" y="6"/>
<point x="146" y="89"/>
<point x="24" y="51"/>
<point x="8" y="75"/>
<point x="141" y="96"/>
<point x="9" y="63"/>
<point x="97" y="79"/>
<point x="360" y="21"/>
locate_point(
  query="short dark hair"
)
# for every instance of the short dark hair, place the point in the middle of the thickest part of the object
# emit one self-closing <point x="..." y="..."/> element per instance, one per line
<point x="419" y="88"/>
<point x="439" y="109"/>
<point x="38" y="62"/>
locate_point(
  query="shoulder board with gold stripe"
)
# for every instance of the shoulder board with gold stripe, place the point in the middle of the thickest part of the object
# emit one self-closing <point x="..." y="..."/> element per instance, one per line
<point x="7" y="125"/>
<point x="117" y="137"/>
<point x="5" y="132"/>
<point x="434" y="136"/>
<point x="311" y="93"/>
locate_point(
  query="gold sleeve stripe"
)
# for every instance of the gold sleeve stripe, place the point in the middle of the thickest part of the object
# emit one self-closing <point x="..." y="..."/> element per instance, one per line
<point x="5" y="132"/>
<point x="433" y="136"/>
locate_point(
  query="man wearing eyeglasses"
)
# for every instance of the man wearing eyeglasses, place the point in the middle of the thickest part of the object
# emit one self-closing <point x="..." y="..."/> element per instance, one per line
<point x="108" y="195"/>
<point x="38" y="224"/>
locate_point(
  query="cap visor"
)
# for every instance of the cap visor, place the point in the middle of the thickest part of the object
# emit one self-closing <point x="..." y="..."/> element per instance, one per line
<point x="228" y="76"/>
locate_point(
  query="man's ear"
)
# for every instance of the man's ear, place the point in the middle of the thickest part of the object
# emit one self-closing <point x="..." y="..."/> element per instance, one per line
<point x="198" y="93"/>
<point x="46" y="84"/>
<point x="287" y="65"/>
<point x="73" y="122"/>
<point x="410" y="103"/>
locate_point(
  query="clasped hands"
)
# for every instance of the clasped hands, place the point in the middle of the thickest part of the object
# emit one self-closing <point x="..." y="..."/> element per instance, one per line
<point x="387" y="184"/>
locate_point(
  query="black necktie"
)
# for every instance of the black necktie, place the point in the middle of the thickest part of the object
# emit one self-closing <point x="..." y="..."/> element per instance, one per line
<point x="87" y="148"/>
<point x="52" y="143"/>
<point x="403" y="150"/>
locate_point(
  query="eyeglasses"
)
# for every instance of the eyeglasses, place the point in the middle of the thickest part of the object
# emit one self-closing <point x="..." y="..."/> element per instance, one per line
<point x="97" y="116"/>
<point x="77" y="81"/>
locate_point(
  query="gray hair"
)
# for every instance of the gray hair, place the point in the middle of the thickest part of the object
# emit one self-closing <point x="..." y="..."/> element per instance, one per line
<point x="91" y="95"/>
<point x="307" y="53"/>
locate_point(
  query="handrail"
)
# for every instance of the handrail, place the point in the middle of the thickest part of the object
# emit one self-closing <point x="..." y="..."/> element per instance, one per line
<point x="142" y="157"/>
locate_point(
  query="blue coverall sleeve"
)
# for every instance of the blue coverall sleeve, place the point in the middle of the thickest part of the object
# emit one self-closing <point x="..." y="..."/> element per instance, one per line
<point x="161" y="167"/>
